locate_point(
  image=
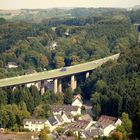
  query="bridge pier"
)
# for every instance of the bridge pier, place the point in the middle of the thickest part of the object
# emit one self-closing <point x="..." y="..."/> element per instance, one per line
<point x="59" y="86"/>
<point x="38" y="85"/>
<point x="139" y="38"/>
<point x="73" y="82"/>
<point x="55" y="88"/>
<point x="87" y="75"/>
<point x="42" y="88"/>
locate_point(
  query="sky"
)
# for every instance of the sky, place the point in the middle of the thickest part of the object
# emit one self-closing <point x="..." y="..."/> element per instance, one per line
<point x="42" y="4"/>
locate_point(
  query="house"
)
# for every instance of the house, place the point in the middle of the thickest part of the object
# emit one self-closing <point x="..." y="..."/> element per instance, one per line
<point x="11" y="65"/>
<point x="107" y="124"/>
<point x="68" y="109"/>
<point x="53" y="46"/>
<point x="35" y="124"/>
<point x="67" y="34"/>
<point x="77" y="102"/>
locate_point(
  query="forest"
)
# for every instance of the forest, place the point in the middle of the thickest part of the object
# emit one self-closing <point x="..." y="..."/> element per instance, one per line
<point x="112" y="88"/>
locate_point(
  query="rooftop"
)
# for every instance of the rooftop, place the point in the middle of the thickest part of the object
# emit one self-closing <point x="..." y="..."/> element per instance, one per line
<point x="65" y="108"/>
<point x="78" y="125"/>
<point x="34" y="121"/>
<point x="105" y="120"/>
<point x="93" y="133"/>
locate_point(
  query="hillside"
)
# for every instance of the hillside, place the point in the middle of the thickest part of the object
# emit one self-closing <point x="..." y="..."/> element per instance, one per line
<point x="114" y="88"/>
<point x="29" y="45"/>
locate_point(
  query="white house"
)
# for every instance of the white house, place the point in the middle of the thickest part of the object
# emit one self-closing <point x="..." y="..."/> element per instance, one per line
<point x="103" y="127"/>
<point x="11" y="65"/>
<point x="107" y="124"/>
<point x="35" y="124"/>
<point x="77" y="102"/>
<point x="68" y="109"/>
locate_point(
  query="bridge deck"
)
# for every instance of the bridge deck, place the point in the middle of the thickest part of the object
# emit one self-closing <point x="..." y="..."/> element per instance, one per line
<point x="55" y="73"/>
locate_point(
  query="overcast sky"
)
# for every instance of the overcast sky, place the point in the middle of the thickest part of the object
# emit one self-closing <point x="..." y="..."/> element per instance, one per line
<point x="17" y="4"/>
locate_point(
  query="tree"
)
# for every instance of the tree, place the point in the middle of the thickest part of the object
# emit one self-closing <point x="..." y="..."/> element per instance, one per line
<point x="39" y="111"/>
<point x="68" y="96"/>
<point x="59" y="61"/>
<point x="44" y="61"/>
<point x="136" y="122"/>
<point x="3" y="97"/>
<point x="96" y="108"/>
<point x="101" y="86"/>
<point x="126" y="122"/>
<point x="1" y="63"/>
<point x="70" y="133"/>
<point x="75" y="60"/>
<point x="43" y="134"/>
<point x="117" y="135"/>
<point x="121" y="129"/>
<point x="47" y="110"/>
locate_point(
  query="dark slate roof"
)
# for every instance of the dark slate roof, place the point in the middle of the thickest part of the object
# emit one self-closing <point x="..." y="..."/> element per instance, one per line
<point x="52" y="120"/>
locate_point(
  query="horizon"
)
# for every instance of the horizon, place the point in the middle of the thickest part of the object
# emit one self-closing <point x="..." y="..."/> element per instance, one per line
<point x="46" y="4"/>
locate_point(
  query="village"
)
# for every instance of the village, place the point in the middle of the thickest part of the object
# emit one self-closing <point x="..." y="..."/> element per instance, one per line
<point x="69" y="118"/>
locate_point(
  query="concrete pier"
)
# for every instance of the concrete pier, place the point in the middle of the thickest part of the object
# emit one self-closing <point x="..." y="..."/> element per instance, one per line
<point x="59" y="86"/>
<point x="73" y="82"/>
<point x="55" y="86"/>
<point x="87" y="75"/>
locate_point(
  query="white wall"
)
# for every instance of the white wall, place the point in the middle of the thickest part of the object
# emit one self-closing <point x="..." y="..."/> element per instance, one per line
<point x="108" y="129"/>
<point x="76" y="102"/>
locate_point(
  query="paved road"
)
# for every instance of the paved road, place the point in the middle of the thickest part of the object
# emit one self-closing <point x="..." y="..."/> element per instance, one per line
<point x="55" y="73"/>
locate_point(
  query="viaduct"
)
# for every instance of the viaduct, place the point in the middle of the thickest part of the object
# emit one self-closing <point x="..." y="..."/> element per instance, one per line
<point x="56" y="75"/>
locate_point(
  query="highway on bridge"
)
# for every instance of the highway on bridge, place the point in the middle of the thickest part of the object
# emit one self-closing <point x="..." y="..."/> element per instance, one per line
<point x="52" y="74"/>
